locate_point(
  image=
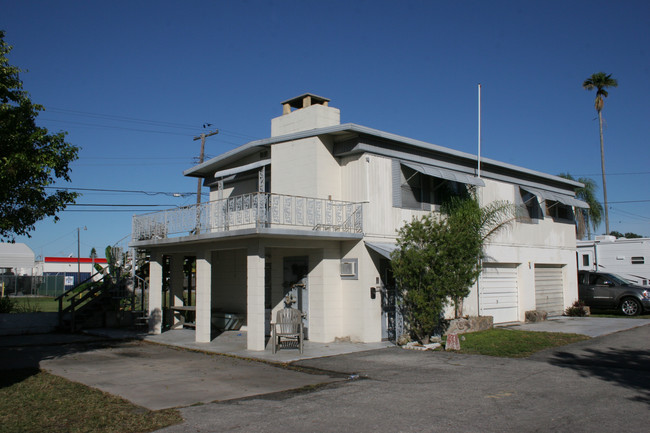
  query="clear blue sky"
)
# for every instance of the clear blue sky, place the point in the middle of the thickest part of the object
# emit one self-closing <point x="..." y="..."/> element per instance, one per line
<point x="133" y="81"/>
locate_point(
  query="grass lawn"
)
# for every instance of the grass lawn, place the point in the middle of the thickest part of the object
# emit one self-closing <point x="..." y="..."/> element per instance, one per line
<point x="511" y="343"/>
<point x="30" y="304"/>
<point x="36" y="401"/>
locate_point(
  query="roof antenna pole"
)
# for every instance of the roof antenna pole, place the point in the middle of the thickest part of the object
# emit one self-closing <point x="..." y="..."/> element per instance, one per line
<point x="479" y="133"/>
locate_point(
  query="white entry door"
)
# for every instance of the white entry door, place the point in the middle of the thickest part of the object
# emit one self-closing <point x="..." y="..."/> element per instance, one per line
<point x="498" y="295"/>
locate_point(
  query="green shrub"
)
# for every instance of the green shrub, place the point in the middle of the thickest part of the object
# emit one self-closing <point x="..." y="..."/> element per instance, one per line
<point x="6" y="305"/>
<point x="576" y="310"/>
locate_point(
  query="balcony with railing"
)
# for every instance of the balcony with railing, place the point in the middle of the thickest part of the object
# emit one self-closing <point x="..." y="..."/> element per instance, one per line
<point x="250" y="211"/>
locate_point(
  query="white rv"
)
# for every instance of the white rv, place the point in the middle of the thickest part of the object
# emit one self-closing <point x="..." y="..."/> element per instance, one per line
<point x="629" y="258"/>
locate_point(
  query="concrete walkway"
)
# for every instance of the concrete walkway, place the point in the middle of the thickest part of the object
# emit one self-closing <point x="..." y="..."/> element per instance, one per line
<point x="234" y="343"/>
<point x="591" y="326"/>
<point x="153" y="375"/>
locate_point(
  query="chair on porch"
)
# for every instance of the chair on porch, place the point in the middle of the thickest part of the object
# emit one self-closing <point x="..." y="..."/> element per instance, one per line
<point x="287" y="327"/>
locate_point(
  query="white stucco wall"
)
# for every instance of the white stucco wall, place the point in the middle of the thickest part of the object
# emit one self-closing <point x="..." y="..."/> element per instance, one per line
<point x="305" y="168"/>
<point x="315" y="116"/>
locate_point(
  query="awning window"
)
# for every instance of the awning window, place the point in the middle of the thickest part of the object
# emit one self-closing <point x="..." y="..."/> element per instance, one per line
<point x="242" y="168"/>
<point x="443" y="173"/>
<point x="554" y="196"/>
<point x="383" y="248"/>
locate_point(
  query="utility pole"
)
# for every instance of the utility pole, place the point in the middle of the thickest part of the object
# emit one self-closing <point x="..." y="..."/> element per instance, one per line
<point x="79" y="255"/>
<point x="201" y="156"/>
<point x="201" y="137"/>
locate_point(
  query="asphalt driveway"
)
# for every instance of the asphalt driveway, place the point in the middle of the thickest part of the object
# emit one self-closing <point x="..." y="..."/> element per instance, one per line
<point x="595" y="385"/>
<point x="599" y="385"/>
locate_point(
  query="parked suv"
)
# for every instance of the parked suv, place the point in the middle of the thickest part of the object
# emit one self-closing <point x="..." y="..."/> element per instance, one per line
<point x="605" y="290"/>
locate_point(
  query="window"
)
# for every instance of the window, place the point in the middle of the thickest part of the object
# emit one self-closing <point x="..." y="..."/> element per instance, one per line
<point x="527" y="207"/>
<point x="349" y="269"/>
<point x="559" y="211"/>
<point x="585" y="260"/>
<point x="638" y="260"/>
<point x="415" y="190"/>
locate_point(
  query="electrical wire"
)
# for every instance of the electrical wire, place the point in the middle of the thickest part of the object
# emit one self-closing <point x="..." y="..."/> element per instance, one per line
<point x="628" y="173"/>
<point x="120" y="205"/>
<point x="173" y="194"/>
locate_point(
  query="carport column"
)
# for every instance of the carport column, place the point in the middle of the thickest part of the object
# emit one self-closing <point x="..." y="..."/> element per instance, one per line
<point x="155" y="293"/>
<point x="176" y="283"/>
<point x="255" y="297"/>
<point x="203" y="296"/>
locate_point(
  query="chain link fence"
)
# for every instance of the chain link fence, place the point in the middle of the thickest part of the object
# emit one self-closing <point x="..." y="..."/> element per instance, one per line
<point x="41" y="285"/>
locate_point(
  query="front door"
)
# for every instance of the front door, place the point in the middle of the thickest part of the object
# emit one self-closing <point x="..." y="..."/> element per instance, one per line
<point x="391" y="319"/>
<point x="295" y="286"/>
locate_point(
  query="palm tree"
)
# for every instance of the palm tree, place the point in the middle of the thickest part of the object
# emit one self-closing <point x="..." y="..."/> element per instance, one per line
<point x="601" y="81"/>
<point x="586" y="219"/>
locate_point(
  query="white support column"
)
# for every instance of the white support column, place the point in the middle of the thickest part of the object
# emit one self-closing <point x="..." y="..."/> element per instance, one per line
<point x="155" y="293"/>
<point x="203" y="296"/>
<point x="176" y="284"/>
<point x="255" y="297"/>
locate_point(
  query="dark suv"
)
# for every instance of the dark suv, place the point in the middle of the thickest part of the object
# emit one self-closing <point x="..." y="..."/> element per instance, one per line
<point x="605" y="290"/>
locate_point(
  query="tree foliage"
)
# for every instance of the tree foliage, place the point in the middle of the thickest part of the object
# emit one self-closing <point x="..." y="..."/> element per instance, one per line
<point x="600" y="81"/>
<point x="31" y="158"/>
<point x="438" y="259"/>
<point x="586" y="219"/>
<point x="628" y="235"/>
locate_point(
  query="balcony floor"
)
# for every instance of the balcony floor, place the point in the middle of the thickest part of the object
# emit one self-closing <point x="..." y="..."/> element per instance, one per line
<point x="261" y="232"/>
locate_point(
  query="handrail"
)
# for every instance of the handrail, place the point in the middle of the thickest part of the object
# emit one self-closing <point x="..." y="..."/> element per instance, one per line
<point x="96" y="291"/>
<point x="62" y="295"/>
<point x="258" y="209"/>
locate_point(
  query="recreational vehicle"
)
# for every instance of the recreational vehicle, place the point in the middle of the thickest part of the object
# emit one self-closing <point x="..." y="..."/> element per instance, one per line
<point x="629" y="258"/>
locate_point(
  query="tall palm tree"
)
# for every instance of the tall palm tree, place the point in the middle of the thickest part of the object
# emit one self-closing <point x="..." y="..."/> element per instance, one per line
<point x="586" y="219"/>
<point x="601" y="81"/>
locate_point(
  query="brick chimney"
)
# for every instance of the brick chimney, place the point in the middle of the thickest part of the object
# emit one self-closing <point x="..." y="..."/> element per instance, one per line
<point x="304" y="112"/>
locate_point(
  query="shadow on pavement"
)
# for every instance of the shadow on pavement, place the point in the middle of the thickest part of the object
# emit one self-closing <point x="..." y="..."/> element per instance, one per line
<point x="20" y="361"/>
<point x="625" y="367"/>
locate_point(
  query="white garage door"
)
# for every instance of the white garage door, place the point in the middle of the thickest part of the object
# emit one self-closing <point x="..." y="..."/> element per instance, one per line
<point x="498" y="293"/>
<point x="549" y="289"/>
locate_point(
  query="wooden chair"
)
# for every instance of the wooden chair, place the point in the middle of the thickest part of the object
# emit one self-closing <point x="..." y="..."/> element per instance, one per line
<point x="287" y="327"/>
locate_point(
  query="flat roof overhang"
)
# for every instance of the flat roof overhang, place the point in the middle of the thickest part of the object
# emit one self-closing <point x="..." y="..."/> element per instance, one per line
<point x="248" y="233"/>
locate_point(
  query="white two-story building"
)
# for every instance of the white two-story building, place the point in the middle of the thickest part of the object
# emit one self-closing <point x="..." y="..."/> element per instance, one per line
<point x="313" y="212"/>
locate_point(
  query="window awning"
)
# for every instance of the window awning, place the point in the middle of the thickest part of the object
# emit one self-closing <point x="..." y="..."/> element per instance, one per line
<point x="383" y="248"/>
<point x="554" y="196"/>
<point x="242" y="168"/>
<point x="443" y="173"/>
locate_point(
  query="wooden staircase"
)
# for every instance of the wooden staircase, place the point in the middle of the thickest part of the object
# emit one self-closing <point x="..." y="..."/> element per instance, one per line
<point x="107" y="302"/>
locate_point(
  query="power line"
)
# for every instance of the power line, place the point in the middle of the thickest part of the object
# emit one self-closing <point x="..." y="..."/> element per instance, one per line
<point x="630" y="201"/>
<point x="631" y="214"/>
<point x="124" y="118"/>
<point x="116" y="127"/>
<point x="173" y="194"/>
<point x="145" y="121"/>
<point x="616" y="174"/>
<point x="121" y="205"/>
<point x="103" y="210"/>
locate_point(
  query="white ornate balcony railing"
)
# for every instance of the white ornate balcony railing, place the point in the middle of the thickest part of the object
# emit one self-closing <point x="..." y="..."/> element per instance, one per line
<point x="249" y="211"/>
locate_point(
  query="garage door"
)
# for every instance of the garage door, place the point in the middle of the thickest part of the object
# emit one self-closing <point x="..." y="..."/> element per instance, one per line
<point x="549" y="289"/>
<point x="498" y="293"/>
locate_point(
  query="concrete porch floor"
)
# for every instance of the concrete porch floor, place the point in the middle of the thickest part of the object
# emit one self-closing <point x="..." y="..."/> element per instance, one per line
<point x="234" y="343"/>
